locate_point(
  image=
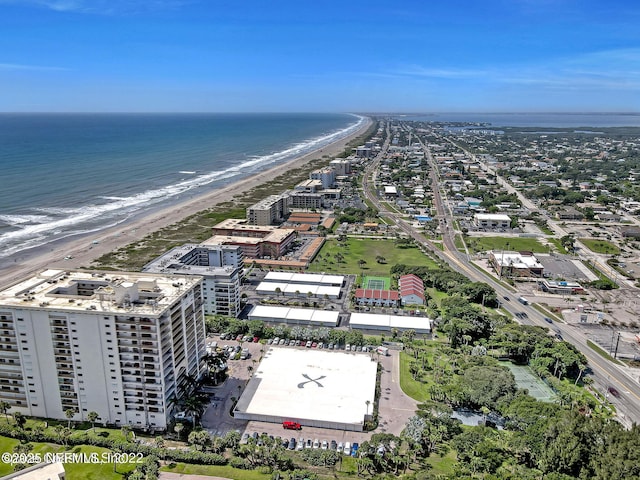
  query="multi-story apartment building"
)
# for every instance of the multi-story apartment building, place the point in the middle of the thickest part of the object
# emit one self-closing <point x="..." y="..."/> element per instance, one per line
<point x="272" y="210"/>
<point x="326" y="175"/>
<point x="119" y="344"/>
<point x="255" y="241"/>
<point x="219" y="265"/>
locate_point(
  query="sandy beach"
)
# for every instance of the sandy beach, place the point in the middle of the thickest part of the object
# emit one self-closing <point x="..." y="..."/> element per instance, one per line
<point x="86" y="248"/>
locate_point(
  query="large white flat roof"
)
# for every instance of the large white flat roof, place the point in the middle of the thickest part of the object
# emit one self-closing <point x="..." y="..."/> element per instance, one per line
<point x="298" y="288"/>
<point x="306" y="278"/>
<point x="387" y="322"/>
<point x="500" y="217"/>
<point x="305" y="384"/>
<point x="283" y="314"/>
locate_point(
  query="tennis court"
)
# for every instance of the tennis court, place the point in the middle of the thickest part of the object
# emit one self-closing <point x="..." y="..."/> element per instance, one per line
<point x="377" y="283"/>
<point x="525" y="378"/>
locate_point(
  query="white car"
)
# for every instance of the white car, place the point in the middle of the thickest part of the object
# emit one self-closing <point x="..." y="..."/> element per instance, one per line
<point x="340" y="448"/>
<point x="347" y="448"/>
<point x="316" y="443"/>
<point x="300" y="445"/>
<point x="324" y="445"/>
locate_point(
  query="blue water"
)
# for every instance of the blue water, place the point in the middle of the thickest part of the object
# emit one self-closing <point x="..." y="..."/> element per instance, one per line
<point x="555" y="120"/>
<point x="67" y="174"/>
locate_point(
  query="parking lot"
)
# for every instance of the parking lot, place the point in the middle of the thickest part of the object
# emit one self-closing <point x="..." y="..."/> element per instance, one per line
<point x="394" y="406"/>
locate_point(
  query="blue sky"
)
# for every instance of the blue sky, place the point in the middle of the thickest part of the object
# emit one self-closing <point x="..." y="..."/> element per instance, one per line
<point x="323" y="55"/>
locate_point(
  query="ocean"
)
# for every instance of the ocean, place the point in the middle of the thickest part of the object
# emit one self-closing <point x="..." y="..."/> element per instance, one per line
<point x="71" y="174"/>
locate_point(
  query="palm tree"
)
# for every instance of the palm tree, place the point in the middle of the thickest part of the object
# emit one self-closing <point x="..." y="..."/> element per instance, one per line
<point x="194" y="406"/>
<point x="126" y="430"/>
<point x="582" y="367"/>
<point x="4" y="408"/>
<point x="92" y="417"/>
<point x="69" y="413"/>
<point x="178" y="428"/>
<point x="214" y="364"/>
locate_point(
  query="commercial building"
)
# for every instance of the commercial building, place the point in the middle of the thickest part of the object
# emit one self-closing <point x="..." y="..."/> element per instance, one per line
<point x="376" y="322"/>
<point x="390" y="191"/>
<point x="411" y="289"/>
<point x="270" y="211"/>
<point x="305" y="278"/>
<point x="516" y="264"/>
<point x="560" y="288"/>
<point x="119" y="344"/>
<point x="219" y="265"/>
<point x="298" y="290"/>
<point x="492" y="220"/>
<point x="295" y="316"/>
<point x="315" y="388"/>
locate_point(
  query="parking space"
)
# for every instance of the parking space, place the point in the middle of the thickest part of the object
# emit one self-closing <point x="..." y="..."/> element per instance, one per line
<point x="394" y="406"/>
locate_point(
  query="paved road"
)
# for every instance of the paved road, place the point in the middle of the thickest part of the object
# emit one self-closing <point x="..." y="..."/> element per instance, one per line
<point x="605" y="373"/>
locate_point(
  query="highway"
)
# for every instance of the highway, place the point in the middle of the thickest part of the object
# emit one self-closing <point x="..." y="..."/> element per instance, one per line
<point x="606" y="376"/>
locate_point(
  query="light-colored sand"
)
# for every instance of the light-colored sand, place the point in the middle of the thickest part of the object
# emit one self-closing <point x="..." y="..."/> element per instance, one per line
<point x="84" y="251"/>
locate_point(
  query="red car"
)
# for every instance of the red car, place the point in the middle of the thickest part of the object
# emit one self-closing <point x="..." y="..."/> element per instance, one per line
<point x="291" y="426"/>
<point x="256" y="339"/>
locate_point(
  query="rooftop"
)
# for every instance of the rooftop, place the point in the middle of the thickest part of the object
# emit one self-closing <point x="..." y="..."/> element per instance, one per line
<point x="321" y="386"/>
<point x="109" y="292"/>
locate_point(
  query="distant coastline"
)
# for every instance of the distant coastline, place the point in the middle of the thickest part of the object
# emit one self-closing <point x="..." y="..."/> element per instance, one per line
<point x="550" y="119"/>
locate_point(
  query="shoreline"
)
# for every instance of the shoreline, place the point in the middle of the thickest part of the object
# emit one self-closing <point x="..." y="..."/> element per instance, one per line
<point x="84" y="251"/>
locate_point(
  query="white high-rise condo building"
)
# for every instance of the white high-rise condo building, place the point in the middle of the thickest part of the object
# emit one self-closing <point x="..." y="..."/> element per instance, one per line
<point x="219" y="265"/>
<point x="119" y="344"/>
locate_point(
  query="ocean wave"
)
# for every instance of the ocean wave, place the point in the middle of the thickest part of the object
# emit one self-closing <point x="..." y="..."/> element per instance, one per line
<point x="36" y="230"/>
<point x="15" y="220"/>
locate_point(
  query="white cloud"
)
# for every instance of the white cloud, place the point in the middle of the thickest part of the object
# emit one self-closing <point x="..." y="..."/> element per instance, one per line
<point x="18" y="66"/>
<point x="101" y="7"/>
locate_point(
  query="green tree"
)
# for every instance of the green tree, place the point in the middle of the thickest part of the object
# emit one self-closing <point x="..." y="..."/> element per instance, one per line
<point x="69" y="413"/>
<point x="200" y="439"/>
<point x="20" y="420"/>
<point x="486" y="385"/>
<point x="92" y="417"/>
<point x="4" y="408"/>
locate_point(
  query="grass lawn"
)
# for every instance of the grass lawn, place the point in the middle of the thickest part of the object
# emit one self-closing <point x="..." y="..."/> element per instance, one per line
<point x="600" y="246"/>
<point x="75" y="471"/>
<point x="223" y="471"/>
<point x="417" y="390"/>
<point x="558" y="246"/>
<point x="356" y="249"/>
<point x="483" y="244"/>
<point x="442" y="465"/>
<point x="436" y="295"/>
